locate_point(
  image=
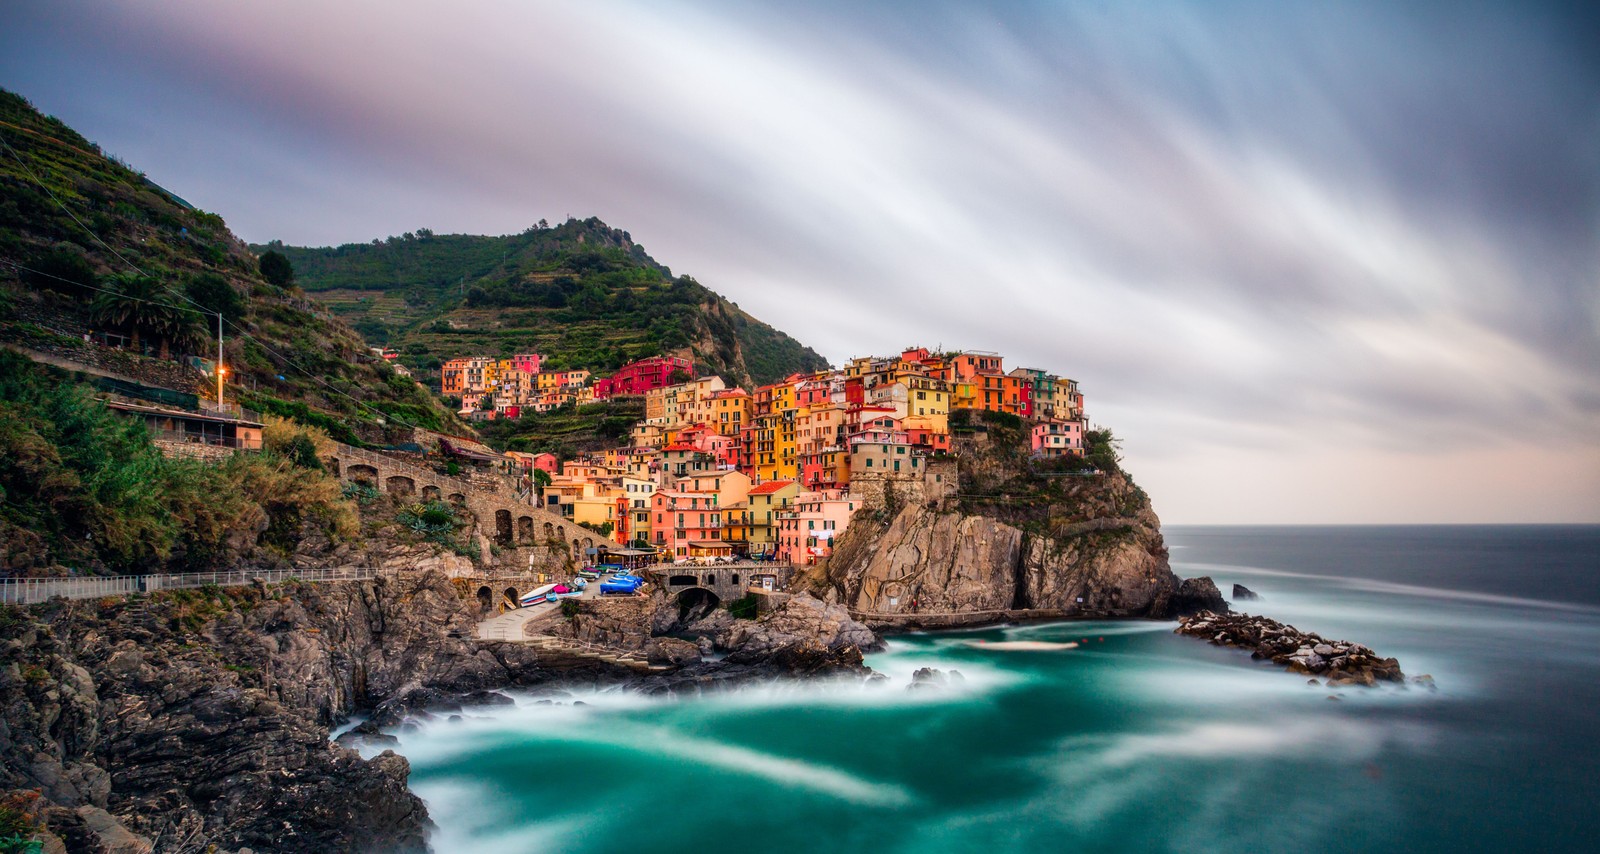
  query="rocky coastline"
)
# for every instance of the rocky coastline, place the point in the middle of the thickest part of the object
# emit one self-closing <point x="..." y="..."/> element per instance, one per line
<point x="1337" y="662"/>
<point x="199" y="721"/>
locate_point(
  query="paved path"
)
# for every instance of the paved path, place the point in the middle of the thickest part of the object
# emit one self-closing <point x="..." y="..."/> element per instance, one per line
<point x="512" y="625"/>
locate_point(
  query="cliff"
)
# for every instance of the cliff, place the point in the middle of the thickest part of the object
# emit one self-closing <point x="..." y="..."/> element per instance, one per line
<point x="926" y="560"/>
<point x="1069" y="537"/>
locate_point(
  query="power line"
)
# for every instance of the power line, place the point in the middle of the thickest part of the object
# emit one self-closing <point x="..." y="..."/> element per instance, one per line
<point x="202" y="310"/>
<point x="81" y="224"/>
<point x="64" y="208"/>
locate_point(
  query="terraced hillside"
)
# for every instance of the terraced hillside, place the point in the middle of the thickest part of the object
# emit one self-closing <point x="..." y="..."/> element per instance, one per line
<point x="80" y="230"/>
<point x="582" y="293"/>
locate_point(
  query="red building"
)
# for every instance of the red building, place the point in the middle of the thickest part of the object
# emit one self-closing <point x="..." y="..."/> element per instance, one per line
<point x="642" y="376"/>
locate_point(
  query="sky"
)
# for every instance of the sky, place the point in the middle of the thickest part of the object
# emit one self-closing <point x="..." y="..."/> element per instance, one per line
<point x="1313" y="263"/>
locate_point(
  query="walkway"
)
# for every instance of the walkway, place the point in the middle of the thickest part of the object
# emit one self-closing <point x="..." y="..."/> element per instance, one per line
<point x="31" y="591"/>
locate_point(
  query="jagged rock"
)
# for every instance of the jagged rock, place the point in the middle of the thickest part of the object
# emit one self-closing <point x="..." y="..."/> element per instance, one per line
<point x="1199" y="594"/>
<point x="802" y="619"/>
<point x="672" y="651"/>
<point x="929" y="562"/>
<point x="1242" y="593"/>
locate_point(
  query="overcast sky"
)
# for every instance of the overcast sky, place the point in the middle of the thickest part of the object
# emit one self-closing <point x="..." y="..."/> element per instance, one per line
<point x="1331" y="262"/>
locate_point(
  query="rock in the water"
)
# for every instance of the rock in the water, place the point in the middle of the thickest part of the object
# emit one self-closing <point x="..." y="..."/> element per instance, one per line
<point x="1242" y="593"/>
<point x="1338" y="662"/>
<point x="928" y="677"/>
<point x="1199" y="594"/>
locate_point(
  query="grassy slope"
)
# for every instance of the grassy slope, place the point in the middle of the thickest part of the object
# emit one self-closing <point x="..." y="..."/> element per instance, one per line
<point x="159" y="233"/>
<point x="582" y="293"/>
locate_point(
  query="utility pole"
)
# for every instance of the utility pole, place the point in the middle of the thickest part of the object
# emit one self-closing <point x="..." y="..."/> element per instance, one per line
<point x="219" y="361"/>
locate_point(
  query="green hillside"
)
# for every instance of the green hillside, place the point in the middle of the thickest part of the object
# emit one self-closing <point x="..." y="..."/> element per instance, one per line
<point x="581" y="293"/>
<point x="82" y="234"/>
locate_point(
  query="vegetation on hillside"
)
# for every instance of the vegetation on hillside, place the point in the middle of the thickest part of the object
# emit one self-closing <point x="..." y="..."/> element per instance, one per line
<point x="83" y="488"/>
<point x="581" y="293"/>
<point x="162" y="270"/>
<point x="569" y="430"/>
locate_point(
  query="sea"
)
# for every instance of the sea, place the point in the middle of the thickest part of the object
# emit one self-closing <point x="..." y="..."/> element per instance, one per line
<point x="1136" y="739"/>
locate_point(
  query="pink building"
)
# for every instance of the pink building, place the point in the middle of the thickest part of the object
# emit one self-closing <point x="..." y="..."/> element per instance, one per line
<point x="1058" y="438"/>
<point x="805" y="533"/>
<point x="642" y="376"/>
<point x="685" y="523"/>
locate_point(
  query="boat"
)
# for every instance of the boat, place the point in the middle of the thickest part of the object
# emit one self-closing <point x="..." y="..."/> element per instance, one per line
<point x="536" y="595"/>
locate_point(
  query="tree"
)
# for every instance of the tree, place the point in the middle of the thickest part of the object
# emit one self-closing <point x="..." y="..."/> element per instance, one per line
<point x="215" y="294"/>
<point x="541" y="478"/>
<point x="144" y="305"/>
<point x="275" y="268"/>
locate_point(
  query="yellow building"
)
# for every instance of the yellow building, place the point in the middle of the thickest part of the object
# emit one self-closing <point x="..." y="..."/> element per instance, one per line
<point x="730" y="411"/>
<point x="764" y="503"/>
<point x="927" y="404"/>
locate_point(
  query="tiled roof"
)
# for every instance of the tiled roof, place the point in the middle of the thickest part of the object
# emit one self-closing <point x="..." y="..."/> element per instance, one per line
<point x="773" y="486"/>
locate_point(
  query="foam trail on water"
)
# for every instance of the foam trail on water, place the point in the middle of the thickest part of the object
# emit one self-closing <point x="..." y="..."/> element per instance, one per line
<point x="1396" y="588"/>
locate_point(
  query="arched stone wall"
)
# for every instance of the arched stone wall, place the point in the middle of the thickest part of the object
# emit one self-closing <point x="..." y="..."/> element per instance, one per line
<point x="401" y="485"/>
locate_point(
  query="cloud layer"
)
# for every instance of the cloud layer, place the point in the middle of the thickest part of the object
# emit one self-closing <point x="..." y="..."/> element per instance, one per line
<point x="1314" y="264"/>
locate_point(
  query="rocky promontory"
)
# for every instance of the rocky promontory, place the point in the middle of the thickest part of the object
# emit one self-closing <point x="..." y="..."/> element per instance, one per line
<point x="1339" y="662"/>
<point x="1099" y="554"/>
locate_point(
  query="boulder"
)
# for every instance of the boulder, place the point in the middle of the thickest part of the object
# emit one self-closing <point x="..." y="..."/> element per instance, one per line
<point x="802" y="619"/>
<point x="1242" y="593"/>
<point x="672" y="651"/>
<point x="1199" y="594"/>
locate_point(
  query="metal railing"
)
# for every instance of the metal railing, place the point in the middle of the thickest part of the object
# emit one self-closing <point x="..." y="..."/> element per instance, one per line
<point x="31" y="591"/>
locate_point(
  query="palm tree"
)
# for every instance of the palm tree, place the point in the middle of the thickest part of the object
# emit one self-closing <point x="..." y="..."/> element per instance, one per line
<point x="144" y="304"/>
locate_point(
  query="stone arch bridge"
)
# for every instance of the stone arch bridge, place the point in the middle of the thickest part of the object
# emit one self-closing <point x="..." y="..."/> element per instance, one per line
<point x="719" y="583"/>
<point x="510" y="519"/>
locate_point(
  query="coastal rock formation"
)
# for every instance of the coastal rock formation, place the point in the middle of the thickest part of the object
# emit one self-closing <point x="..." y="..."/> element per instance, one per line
<point x="1198" y="594"/>
<point x="802" y="621"/>
<point x="942" y="559"/>
<point x="1339" y="662"/>
<point x="1242" y="593"/>
<point x="200" y="718"/>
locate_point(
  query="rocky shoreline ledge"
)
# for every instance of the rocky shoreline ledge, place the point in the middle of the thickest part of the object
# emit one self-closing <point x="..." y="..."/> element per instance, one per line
<point x="1338" y="662"/>
<point x="198" y="720"/>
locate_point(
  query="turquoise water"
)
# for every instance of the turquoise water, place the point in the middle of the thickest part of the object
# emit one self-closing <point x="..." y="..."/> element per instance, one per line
<point x="1138" y="740"/>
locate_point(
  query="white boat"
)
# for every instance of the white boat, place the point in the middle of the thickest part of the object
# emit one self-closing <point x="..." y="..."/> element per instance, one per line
<point x="537" y="595"/>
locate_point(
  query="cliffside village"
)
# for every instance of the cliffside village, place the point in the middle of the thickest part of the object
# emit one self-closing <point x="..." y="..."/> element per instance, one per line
<point x="772" y="473"/>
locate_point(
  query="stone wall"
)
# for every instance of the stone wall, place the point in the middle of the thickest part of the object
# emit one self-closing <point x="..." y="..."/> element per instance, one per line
<point x="75" y="354"/>
<point x="938" y="482"/>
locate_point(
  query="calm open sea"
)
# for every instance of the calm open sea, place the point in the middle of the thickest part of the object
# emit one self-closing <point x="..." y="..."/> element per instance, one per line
<point x="1139" y="740"/>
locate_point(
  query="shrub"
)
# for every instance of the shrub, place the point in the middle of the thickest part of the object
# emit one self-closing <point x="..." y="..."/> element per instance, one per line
<point x="745" y="607"/>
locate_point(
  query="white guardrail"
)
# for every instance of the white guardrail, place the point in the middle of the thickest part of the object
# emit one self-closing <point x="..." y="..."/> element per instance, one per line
<point x="31" y="591"/>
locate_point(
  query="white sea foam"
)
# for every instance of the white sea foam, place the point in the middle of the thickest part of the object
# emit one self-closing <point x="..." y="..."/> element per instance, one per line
<point x="1332" y="738"/>
<point x="1395" y="588"/>
<point x="474" y="818"/>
